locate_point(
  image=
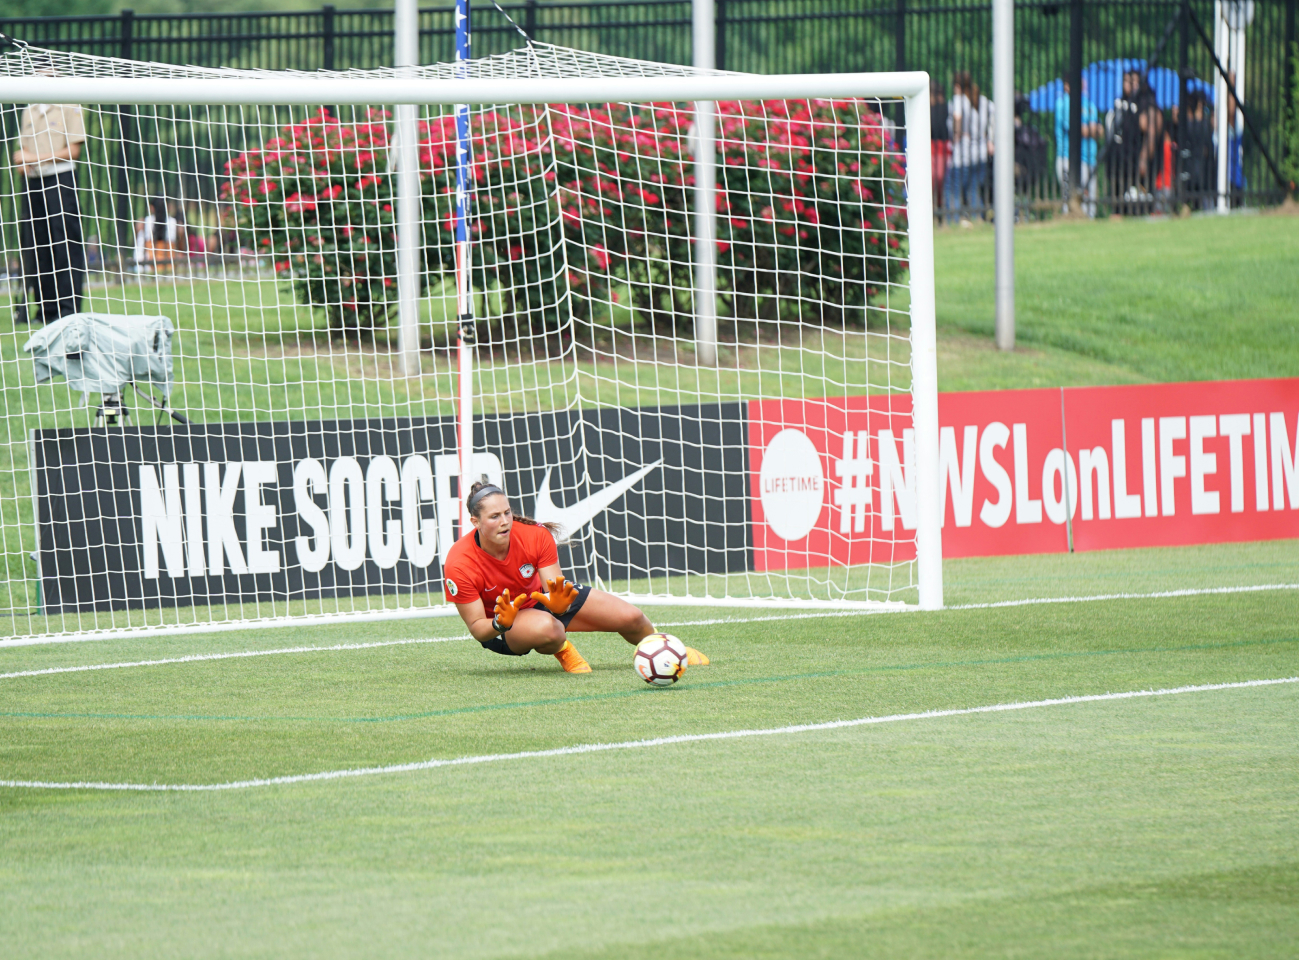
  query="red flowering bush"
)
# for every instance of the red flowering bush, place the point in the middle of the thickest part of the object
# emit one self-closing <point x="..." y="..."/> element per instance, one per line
<point x="572" y="204"/>
<point x="317" y="199"/>
<point x="810" y="207"/>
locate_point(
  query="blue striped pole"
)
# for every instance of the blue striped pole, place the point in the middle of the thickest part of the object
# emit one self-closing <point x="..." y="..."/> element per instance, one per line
<point x="464" y="294"/>
<point x="462" y="126"/>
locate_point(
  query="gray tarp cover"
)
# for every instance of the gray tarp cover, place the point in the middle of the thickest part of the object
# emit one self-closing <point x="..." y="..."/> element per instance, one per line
<point x="102" y="353"/>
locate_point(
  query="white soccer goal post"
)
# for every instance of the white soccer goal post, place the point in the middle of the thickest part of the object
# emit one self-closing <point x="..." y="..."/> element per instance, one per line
<point x="221" y="423"/>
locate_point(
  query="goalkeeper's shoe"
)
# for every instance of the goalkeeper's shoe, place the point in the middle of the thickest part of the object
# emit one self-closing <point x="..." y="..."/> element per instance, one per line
<point x="695" y="659"/>
<point x="571" y="660"/>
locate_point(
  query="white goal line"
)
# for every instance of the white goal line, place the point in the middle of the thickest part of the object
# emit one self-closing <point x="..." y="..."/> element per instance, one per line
<point x="857" y="609"/>
<point x="635" y="744"/>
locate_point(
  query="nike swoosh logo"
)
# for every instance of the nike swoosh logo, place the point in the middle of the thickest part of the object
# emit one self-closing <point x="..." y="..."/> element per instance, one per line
<point x="576" y="516"/>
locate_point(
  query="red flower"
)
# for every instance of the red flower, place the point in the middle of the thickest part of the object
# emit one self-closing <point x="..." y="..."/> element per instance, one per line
<point x="298" y="203"/>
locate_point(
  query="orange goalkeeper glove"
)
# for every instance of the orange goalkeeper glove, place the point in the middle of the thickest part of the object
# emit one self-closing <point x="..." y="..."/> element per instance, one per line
<point x="562" y="595"/>
<point x="507" y="610"/>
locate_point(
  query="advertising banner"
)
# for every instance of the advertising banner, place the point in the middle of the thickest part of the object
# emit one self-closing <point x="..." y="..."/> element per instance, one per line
<point x="243" y="512"/>
<point x="1024" y="471"/>
<point x="1185" y="463"/>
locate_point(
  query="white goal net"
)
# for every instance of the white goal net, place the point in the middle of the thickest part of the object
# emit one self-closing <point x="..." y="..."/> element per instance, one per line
<point x="246" y="362"/>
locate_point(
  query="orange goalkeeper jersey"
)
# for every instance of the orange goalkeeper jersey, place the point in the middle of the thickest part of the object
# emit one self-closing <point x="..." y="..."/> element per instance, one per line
<point x="471" y="573"/>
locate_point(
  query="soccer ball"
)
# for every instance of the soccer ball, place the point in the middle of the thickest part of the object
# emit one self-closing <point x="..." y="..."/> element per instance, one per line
<point x="660" y="659"/>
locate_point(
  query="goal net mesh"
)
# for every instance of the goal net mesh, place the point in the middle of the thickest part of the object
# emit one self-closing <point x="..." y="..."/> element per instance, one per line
<point x="237" y="265"/>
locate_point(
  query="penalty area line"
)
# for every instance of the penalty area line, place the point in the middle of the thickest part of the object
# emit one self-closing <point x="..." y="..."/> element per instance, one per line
<point x="583" y="748"/>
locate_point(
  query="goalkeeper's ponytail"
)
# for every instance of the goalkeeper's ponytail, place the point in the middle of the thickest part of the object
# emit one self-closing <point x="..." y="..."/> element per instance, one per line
<point x="481" y="490"/>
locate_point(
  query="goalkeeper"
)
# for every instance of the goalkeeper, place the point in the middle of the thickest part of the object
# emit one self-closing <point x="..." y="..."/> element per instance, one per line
<point x="496" y="574"/>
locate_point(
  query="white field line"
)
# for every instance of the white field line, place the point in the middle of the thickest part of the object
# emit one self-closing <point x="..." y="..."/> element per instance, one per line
<point x="187" y="629"/>
<point x="1162" y="594"/>
<point x="634" y="744"/>
<point x="194" y="658"/>
<point x="197" y="657"/>
<point x="1158" y="595"/>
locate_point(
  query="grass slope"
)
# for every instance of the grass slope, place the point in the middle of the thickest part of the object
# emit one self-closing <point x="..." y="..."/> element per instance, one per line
<point x="1205" y="298"/>
<point x="1135" y="828"/>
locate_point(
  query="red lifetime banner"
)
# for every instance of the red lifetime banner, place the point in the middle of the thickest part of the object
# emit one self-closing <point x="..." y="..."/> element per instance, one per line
<point x="833" y="480"/>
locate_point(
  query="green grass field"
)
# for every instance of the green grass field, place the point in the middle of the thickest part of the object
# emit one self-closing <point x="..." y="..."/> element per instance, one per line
<point x="1206" y="298"/>
<point x="1160" y="826"/>
<point x="1146" y="827"/>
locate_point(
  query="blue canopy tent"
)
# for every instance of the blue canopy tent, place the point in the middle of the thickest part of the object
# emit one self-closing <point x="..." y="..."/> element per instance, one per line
<point x="1103" y="84"/>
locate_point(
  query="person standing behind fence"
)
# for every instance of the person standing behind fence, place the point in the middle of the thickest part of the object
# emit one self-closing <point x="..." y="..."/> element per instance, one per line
<point x="1123" y="152"/>
<point x="1235" y="139"/>
<point x="1196" y="170"/>
<point x="54" y="254"/>
<point x="972" y="119"/>
<point x="1091" y="129"/>
<point x="940" y="140"/>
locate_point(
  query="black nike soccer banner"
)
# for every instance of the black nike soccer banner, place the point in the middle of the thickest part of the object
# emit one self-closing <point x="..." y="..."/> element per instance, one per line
<point x="242" y="512"/>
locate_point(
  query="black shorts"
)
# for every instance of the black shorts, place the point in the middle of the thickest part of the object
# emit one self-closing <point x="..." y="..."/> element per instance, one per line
<point x="567" y="616"/>
<point x="497" y="644"/>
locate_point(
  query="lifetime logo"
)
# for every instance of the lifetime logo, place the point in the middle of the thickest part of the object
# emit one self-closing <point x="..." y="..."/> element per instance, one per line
<point x="791" y="485"/>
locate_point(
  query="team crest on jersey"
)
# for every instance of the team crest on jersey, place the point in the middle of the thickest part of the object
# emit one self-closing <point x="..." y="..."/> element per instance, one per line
<point x="452" y="588"/>
<point x="526" y="571"/>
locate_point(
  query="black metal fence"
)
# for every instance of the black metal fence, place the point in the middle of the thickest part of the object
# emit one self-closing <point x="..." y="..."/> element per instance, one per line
<point x="776" y="36"/>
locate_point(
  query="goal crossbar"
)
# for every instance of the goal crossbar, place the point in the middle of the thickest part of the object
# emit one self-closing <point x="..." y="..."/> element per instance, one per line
<point x="242" y="88"/>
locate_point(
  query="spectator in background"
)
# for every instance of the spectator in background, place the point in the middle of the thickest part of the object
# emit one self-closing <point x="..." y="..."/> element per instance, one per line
<point x="984" y="113"/>
<point x="1197" y="170"/>
<point x="1091" y="131"/>
<point x="1123" y="150"/>
<point x="940" y="141"/>
<point x="176" y="211"/>
<point x="1136" y="131"/>
<point x="1235" y="138"/>
<point x="1150" y="161"/>
<point x="1030" y="149"/>
<point x="972" y="118"/>
<point x="1164" y="182"/>
<point x="156" y="237"/>
<point x="50" y="137"/>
